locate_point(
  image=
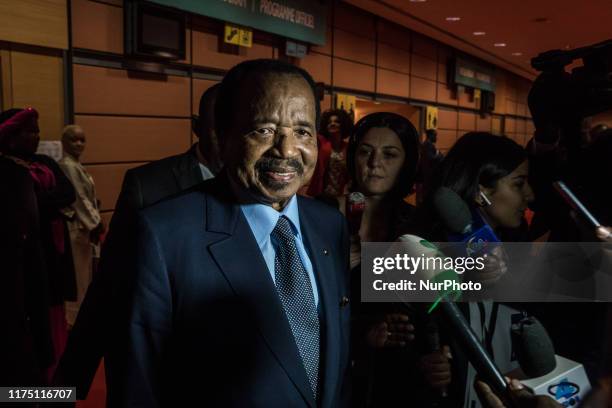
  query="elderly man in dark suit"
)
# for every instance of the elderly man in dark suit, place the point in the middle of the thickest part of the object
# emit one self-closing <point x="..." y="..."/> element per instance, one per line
<point x="240" y="291"/>
<point x="103" y="308"/>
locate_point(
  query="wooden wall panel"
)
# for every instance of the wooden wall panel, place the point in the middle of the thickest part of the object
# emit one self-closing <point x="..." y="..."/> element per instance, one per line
<point x="446" y="138"/>
<point x="393" y="83"/>
<point x="354" y="20"/>
<point x="327" y="47"/>
<point x="199" y="87"/>
<point x="97" y="26"/>
<point x="124" y="139"/>
<point x="467" y="121"/>
<point x="422" y="89"/>
<point x="108" y="179"/>
<point x="319" y="66"/>
<point x="483" y="124"/>
<point x="35" y="22"/>
<point x="447" y="119"/>
<point x="393" y="35"/>
<point x="37" y="80"/>
<point x="509" y="125"/>
<point x="393" y="58"/>
<point x="353" y="75"/>
<point x="424" y="47"/>
<point x="115" y="91"/>
<point x="354" y="47"/>
<point x="206" y="52"/>
<point x="424" y="67"/>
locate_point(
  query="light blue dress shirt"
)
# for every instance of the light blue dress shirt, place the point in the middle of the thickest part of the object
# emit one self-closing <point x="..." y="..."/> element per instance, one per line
<point x="262" y="219"/>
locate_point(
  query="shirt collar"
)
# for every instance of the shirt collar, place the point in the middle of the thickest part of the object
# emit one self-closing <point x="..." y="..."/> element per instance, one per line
<point x="263" y="218"/>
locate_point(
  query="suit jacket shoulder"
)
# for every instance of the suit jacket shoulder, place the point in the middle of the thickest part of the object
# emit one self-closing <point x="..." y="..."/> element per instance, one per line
<point x="153" y="182"/>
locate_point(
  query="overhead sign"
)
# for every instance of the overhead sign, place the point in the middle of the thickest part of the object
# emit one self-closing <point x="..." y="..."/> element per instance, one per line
<point x="474" y="75"/>
<point x="303" y="20"/>
<point x="238" y="36"/>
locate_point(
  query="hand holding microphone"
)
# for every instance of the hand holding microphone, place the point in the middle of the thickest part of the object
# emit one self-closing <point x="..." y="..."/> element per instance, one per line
<point x="395" y="330"/>
<point x="520" y="396"/>
<point x="436" y="368"/>
<point x="604" y="233"/>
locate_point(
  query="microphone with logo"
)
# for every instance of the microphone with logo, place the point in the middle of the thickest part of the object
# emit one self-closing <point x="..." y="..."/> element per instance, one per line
<point x="541" y="370"/>
<point x="464" y="226"/>
<point x="355" y="205"/>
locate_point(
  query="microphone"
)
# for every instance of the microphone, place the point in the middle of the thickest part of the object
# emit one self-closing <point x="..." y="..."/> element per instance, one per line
<point x="472" y="347"/>
<point x="355" y="205"/>
<point x="541" y="370"/>
<point x="465" y="226"/>
<point x="456" y="322"/>
<point x="534" y="348"/>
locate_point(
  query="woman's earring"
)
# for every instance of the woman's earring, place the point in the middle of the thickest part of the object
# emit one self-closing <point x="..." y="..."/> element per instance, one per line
<point x="485" y="199"/>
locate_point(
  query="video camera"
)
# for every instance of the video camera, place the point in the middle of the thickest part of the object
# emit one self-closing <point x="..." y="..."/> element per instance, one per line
<point x="559" y="101"/>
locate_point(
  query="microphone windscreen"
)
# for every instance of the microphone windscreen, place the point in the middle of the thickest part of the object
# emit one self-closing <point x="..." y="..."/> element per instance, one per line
<point x="453" y="211"/>
<point x="355" y="205"/>
<point x="534" y="348"/>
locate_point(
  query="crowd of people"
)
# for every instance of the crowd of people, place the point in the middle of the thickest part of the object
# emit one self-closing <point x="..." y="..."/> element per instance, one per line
<point x="218" y="284"/>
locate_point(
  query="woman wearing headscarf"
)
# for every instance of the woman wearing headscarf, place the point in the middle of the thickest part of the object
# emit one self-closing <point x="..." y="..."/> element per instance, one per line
<point x="25" y="343"/>
<point x="84" y="222"/>
<point x="19" y="137"/>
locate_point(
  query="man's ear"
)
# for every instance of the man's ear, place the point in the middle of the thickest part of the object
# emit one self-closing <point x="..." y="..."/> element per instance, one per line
<point x="195" y="124"/>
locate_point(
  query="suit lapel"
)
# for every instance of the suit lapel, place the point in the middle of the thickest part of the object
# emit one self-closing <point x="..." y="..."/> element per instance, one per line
<point x="240" y="260"/>
<point x="187" y="171"/>
<point x="320" y="252"/>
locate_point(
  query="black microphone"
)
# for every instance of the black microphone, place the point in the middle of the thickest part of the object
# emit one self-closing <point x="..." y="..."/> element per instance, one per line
<point x="471" y="346"/>
<point x="534" y="348"/>
<point x="452" y="210"/>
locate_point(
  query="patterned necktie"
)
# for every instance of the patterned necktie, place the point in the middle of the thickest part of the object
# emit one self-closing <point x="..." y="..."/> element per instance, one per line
<point x="295" y="291"/>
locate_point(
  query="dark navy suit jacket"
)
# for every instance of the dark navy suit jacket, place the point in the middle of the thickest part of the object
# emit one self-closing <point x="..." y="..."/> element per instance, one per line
<point x="206" y="326"/>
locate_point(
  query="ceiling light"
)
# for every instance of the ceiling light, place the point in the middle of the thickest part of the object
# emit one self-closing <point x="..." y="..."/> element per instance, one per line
<point x="517" y="54"/>
<point x="453" y="18"/>
<point x="479" y="33"/>
<point x="499" y="44"/>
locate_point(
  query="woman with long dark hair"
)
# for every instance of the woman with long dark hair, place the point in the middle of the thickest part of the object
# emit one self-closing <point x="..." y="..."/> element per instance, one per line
<point x="382" y="158"/>
<point x="490" y="174"/>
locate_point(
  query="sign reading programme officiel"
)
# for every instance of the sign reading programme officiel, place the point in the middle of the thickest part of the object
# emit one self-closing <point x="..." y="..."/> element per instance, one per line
<point x="303" y="20"/>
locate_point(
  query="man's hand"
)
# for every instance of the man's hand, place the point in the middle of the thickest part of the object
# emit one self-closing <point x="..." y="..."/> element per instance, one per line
<point x="436" y="368"/>
<point x="394" y="331"/>
<point x="604" y="233"/>
<point x="495" y="267"/>
<point x="521" y="397"/>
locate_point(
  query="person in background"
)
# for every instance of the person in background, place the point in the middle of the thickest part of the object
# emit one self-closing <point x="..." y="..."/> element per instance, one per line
<point x="330" y="177"/>
<point x="20" y="136"/>
<point x="430" y="158"/>
<point x="25" y="344"/>
<point x="382" y="158"/>
<point x="101" y="310"/>
<point x="84" y="222"/>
